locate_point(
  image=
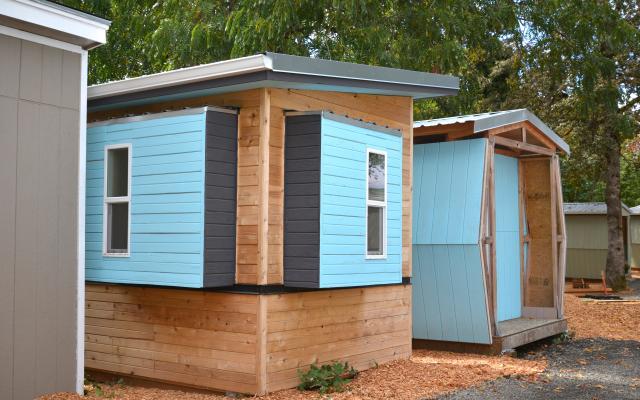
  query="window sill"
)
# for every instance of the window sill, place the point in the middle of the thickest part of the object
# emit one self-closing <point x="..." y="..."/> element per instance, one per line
<point x="380" y="257"/>
<point x="121" y="255"/>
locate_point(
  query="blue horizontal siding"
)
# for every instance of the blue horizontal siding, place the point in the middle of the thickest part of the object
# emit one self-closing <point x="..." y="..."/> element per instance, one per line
<point x="343" y="210"/>
<point x="167" y="202"/>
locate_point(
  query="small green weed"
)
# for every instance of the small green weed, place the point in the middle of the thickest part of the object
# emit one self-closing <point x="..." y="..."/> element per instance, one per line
<point x="327" y="378"/>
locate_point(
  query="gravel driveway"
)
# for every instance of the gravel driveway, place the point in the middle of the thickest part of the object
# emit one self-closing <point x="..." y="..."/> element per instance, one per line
<point x="578" y="369"/>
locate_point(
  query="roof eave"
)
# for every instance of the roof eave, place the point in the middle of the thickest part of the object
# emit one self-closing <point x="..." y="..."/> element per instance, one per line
<point x="90" y="31"/>
<point x="422" y="85"/>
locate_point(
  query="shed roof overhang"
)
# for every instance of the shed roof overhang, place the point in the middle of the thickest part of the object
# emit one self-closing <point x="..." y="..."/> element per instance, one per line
<point x="494" y="121"/>
<point x="269" y="70"/>
<point x="55" y="21"/>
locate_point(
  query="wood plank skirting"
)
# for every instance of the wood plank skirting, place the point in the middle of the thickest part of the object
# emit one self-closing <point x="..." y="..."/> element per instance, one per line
<point x="241" y="342"/>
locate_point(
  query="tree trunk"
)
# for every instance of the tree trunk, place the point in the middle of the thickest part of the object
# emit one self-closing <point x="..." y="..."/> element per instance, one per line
<point x="615" y="253"/>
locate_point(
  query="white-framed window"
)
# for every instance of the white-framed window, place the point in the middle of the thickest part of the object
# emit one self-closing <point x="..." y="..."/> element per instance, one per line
<point x="376" y="204"/>
<point x="117" y="200"/>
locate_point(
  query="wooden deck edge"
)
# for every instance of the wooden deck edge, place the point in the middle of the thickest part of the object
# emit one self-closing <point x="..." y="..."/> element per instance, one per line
<point x="531" y="335"/>
<point x="500" y="344"/>
<point x="457" y="347"/>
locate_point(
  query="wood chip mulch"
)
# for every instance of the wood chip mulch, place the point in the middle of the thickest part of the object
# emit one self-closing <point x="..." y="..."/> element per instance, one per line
<point x="611" y="320"/>
<point x="427" y="373"/>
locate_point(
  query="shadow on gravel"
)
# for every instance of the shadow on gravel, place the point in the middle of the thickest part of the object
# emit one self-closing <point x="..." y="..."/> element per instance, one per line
<point x="577" y="369"/>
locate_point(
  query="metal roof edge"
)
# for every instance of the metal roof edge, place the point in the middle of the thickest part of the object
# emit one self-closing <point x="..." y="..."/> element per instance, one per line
<point x="278" y="63"/>
<point x="196" y="73"/>
<point x="484" y="121"/>
<point x="57" y="18"/>
<point x="162" y="114"/>
<point x="346" y="70"/>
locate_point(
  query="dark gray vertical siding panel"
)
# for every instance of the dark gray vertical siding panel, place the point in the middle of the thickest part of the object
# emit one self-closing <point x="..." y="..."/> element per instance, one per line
<point x="302" y="201"/>
<point x="220" y="199"/>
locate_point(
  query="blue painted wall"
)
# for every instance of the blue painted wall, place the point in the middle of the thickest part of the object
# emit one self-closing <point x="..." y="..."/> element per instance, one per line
<point x="449" y="292"/>
<point x="167" y="202"/>
<point x="507" y="238"/>
<point x="343" y="210"/>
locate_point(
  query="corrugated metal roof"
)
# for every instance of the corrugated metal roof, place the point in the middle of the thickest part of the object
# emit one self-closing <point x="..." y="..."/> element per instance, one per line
<point x="595" y="208"/>
<point x="491" y="120"/>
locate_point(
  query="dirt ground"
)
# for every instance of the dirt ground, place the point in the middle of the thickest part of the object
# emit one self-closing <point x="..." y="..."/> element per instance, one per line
<point x="596" y="364"/>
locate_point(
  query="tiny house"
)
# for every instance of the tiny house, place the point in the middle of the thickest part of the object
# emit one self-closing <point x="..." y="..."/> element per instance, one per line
<point x="488" y="232"/>
<point x="587" y="239"/>
<point x="250" y="217"/>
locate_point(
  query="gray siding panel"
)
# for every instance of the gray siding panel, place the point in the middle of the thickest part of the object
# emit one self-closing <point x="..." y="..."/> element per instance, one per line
<point x="220" y="199"/>
<point x="8" y="164"/>
<point x="302" y="201"/>
<point x="39" y="136"/>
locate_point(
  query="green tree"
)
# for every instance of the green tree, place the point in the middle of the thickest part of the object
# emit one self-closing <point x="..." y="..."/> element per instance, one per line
<point x="580" y="60"/>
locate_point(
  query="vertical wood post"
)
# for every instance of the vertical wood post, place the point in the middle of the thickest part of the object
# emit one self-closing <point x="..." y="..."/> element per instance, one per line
<point x="263" y="183"/>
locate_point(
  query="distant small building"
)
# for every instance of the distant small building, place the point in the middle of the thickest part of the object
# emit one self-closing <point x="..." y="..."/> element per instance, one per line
<point x="587" y="238"/>
<point x="634" y="237"/>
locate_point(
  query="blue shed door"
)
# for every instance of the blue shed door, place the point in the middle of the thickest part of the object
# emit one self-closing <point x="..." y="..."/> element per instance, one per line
<point x="507" y="238"/>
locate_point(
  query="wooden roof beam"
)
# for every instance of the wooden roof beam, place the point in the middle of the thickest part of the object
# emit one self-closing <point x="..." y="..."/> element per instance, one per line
<point x="516" y="145"/>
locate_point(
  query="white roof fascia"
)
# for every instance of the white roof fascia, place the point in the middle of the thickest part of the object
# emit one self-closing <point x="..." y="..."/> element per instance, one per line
<point x="58" y="18"/>
<point x="197" y="73"/>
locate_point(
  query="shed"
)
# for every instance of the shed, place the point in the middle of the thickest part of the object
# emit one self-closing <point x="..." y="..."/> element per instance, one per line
<point x="587" y="238"/>
<point x="43" y="80"/>
<point x="634" y="237"/>
<point x="488" y="233"/>
<point x="250" y="217"/>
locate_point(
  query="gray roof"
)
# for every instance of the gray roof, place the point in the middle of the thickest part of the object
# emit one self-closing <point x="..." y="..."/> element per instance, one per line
<point x="271" y="70"/>
<point x="594" y="208"/>
<point x="635" y="210"/>
<point x="490" y="120"/>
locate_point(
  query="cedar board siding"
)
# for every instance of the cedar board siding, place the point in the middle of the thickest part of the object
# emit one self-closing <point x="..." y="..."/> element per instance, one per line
<point x="302" y="201"/>
<point x="363" y="326"/>
<point x="343" y="206"/>
<point x="39" y="138"/>
<point x="167" y="202"/>
<point x="448" y="285"/>
<point x="238" y="342"/>
<point x="185" y="337"/>
<point x="220" y="199"/>
<point x="264" y="179"/>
